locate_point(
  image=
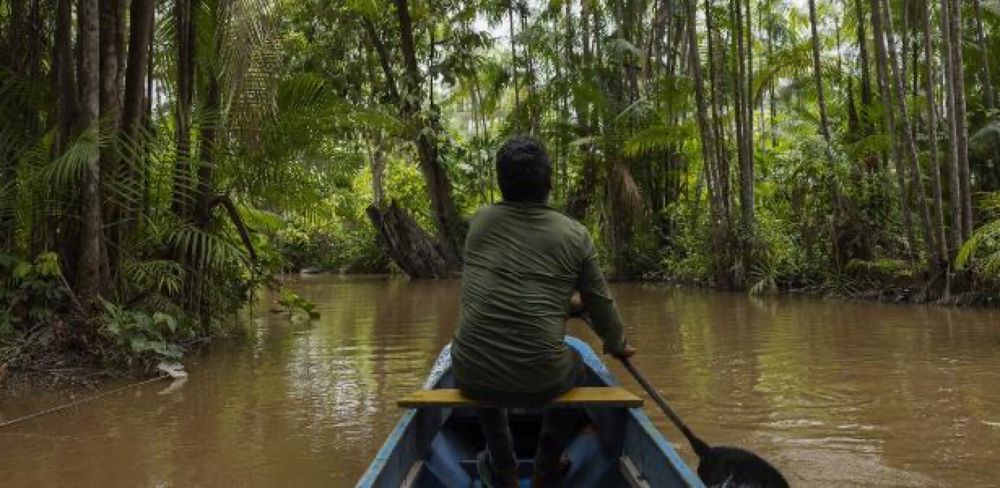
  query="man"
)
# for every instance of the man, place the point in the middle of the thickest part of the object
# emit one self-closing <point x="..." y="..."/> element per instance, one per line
<point x="523" y="263"/>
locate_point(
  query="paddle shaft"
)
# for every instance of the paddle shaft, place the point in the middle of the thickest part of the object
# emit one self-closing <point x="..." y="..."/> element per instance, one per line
<point x="700" y="447"/>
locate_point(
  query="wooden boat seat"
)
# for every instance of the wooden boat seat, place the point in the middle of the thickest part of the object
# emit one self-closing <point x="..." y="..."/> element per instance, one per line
<point x="581" y="396"/>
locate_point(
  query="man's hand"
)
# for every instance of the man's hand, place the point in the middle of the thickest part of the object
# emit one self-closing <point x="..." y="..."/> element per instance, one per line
<point x="627" y="352"/>
<point x="576" y="309"/>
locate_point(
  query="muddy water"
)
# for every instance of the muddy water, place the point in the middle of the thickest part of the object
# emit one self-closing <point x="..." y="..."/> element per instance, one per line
<point x="835" y="393"/>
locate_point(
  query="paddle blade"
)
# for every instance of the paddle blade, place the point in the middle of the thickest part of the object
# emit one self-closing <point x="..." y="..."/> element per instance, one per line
<point x="733" y="467"/>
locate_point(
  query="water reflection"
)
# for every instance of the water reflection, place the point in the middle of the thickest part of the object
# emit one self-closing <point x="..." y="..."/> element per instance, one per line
<point x="836" y="393"/>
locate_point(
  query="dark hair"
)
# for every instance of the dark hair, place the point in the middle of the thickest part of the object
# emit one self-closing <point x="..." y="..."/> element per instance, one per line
<point x="523" y="170"/>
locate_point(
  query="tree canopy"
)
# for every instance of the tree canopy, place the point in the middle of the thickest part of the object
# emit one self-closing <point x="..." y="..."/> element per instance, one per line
<point x="171" y="156"/>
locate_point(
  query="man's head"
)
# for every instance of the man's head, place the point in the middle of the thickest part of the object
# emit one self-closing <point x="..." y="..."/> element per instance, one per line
<point x="524" y="170"/>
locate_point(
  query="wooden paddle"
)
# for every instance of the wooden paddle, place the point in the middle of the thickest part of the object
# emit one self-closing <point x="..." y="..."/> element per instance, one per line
<point x="719" y="465"/>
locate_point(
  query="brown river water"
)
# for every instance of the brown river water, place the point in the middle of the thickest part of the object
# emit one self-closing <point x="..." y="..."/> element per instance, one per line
<point x="834" y="393"/>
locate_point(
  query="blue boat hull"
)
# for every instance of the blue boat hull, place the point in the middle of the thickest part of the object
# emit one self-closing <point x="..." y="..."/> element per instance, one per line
<point x="613" y="448"/>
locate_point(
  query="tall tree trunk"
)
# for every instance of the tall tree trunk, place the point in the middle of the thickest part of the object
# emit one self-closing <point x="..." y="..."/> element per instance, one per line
<point x="141" y="23"/>
<point x="110" y="33"/>
<point x="513" y="64"/>
<point x="890" y="121"/>
<point x="748" y="109"/>
<point x="718" y="232"/>
<point x="110" y="27"/>
<point x="451" y="229"/>
<point x="940" y="241"/>
<point x="88" y="276"/>
<point x="961" y="125"/>
<point x="213" y="119"/>
<point x="720" y="169"/>
<point x="663" y="12"/>
<point x="68" y="106"/>
<point x="742" y="128"/>
<point x="579" y="201"/>
<point x="375" y="140"/>
<point x="824" y="123"/>
<point x="954" y="185"/>
<point x="534" y="114"/>
<point x="988" y="95"/>
<point x="771" y="101"/>
<point x="909" y="143"/>
<point x="208" y="142"/>
<point x="184" y="26"/>
<point x="866" y="84"/>
<point x="134" y="107"/>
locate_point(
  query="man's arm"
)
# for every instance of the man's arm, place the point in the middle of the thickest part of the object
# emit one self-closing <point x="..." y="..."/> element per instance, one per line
<point x="599" y="306"/>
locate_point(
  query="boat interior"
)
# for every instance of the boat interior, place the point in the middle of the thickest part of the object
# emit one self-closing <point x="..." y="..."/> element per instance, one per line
<point x="595" y="459"/>
<point x="611" y="446"/>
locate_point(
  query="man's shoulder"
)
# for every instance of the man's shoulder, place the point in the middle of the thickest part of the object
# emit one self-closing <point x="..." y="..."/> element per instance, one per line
<point x="486" y="212"/>
<point x="572" y="225"/>
<point x="499" y="210"/>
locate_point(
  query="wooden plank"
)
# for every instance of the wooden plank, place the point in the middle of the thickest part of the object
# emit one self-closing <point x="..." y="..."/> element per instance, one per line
<point x="603" y="396"/>
<point x="631" y="473"/>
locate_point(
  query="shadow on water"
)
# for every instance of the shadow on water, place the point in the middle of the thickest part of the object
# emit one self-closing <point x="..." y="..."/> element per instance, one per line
<point x="834" y="393"/>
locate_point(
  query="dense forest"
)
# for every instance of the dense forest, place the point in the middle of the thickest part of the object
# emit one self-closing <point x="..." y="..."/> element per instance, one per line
<point x="160" y="161"/>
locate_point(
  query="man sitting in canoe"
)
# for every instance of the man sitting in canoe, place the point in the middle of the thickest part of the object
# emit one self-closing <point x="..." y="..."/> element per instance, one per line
<point x="523" y="263"/>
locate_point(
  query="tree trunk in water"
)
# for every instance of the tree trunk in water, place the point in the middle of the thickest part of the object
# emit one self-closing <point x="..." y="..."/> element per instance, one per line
<point x="409" y="246"/>
<point x="954" y="186"/>
<point x="890" y="122"/>
<point x="88" y="276"/>
<point x="451" y="229"/>
<point x="941" y="242"/>
<point x="910" y="144"/>
<point x="961" y="125"/>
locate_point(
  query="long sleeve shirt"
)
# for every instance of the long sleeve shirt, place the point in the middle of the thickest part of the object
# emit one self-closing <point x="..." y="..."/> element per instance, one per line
<point x="522" y="264"/>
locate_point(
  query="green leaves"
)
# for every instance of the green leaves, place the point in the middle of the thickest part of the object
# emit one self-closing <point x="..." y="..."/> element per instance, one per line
<point x="292" y="302"/>
<point x="659" y="138"/>
<point x="983" y="248"/>
<point x="140" y="335"/>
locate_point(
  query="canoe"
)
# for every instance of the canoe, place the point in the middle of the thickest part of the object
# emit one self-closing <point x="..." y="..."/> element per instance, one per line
<point x="612" y="447"/>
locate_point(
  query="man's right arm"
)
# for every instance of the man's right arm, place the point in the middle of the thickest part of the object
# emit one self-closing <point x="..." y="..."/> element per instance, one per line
<point x="599" y="305"/>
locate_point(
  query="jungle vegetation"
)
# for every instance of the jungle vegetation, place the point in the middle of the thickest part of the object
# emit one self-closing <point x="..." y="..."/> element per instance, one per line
<point x="160" y="160"/>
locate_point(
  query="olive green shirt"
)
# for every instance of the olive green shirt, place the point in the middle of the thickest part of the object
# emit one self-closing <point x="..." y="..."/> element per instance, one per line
<point x="522" y="264"/>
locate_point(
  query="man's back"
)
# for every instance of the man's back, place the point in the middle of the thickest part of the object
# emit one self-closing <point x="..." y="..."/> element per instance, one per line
<point x="523" y="262"/>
